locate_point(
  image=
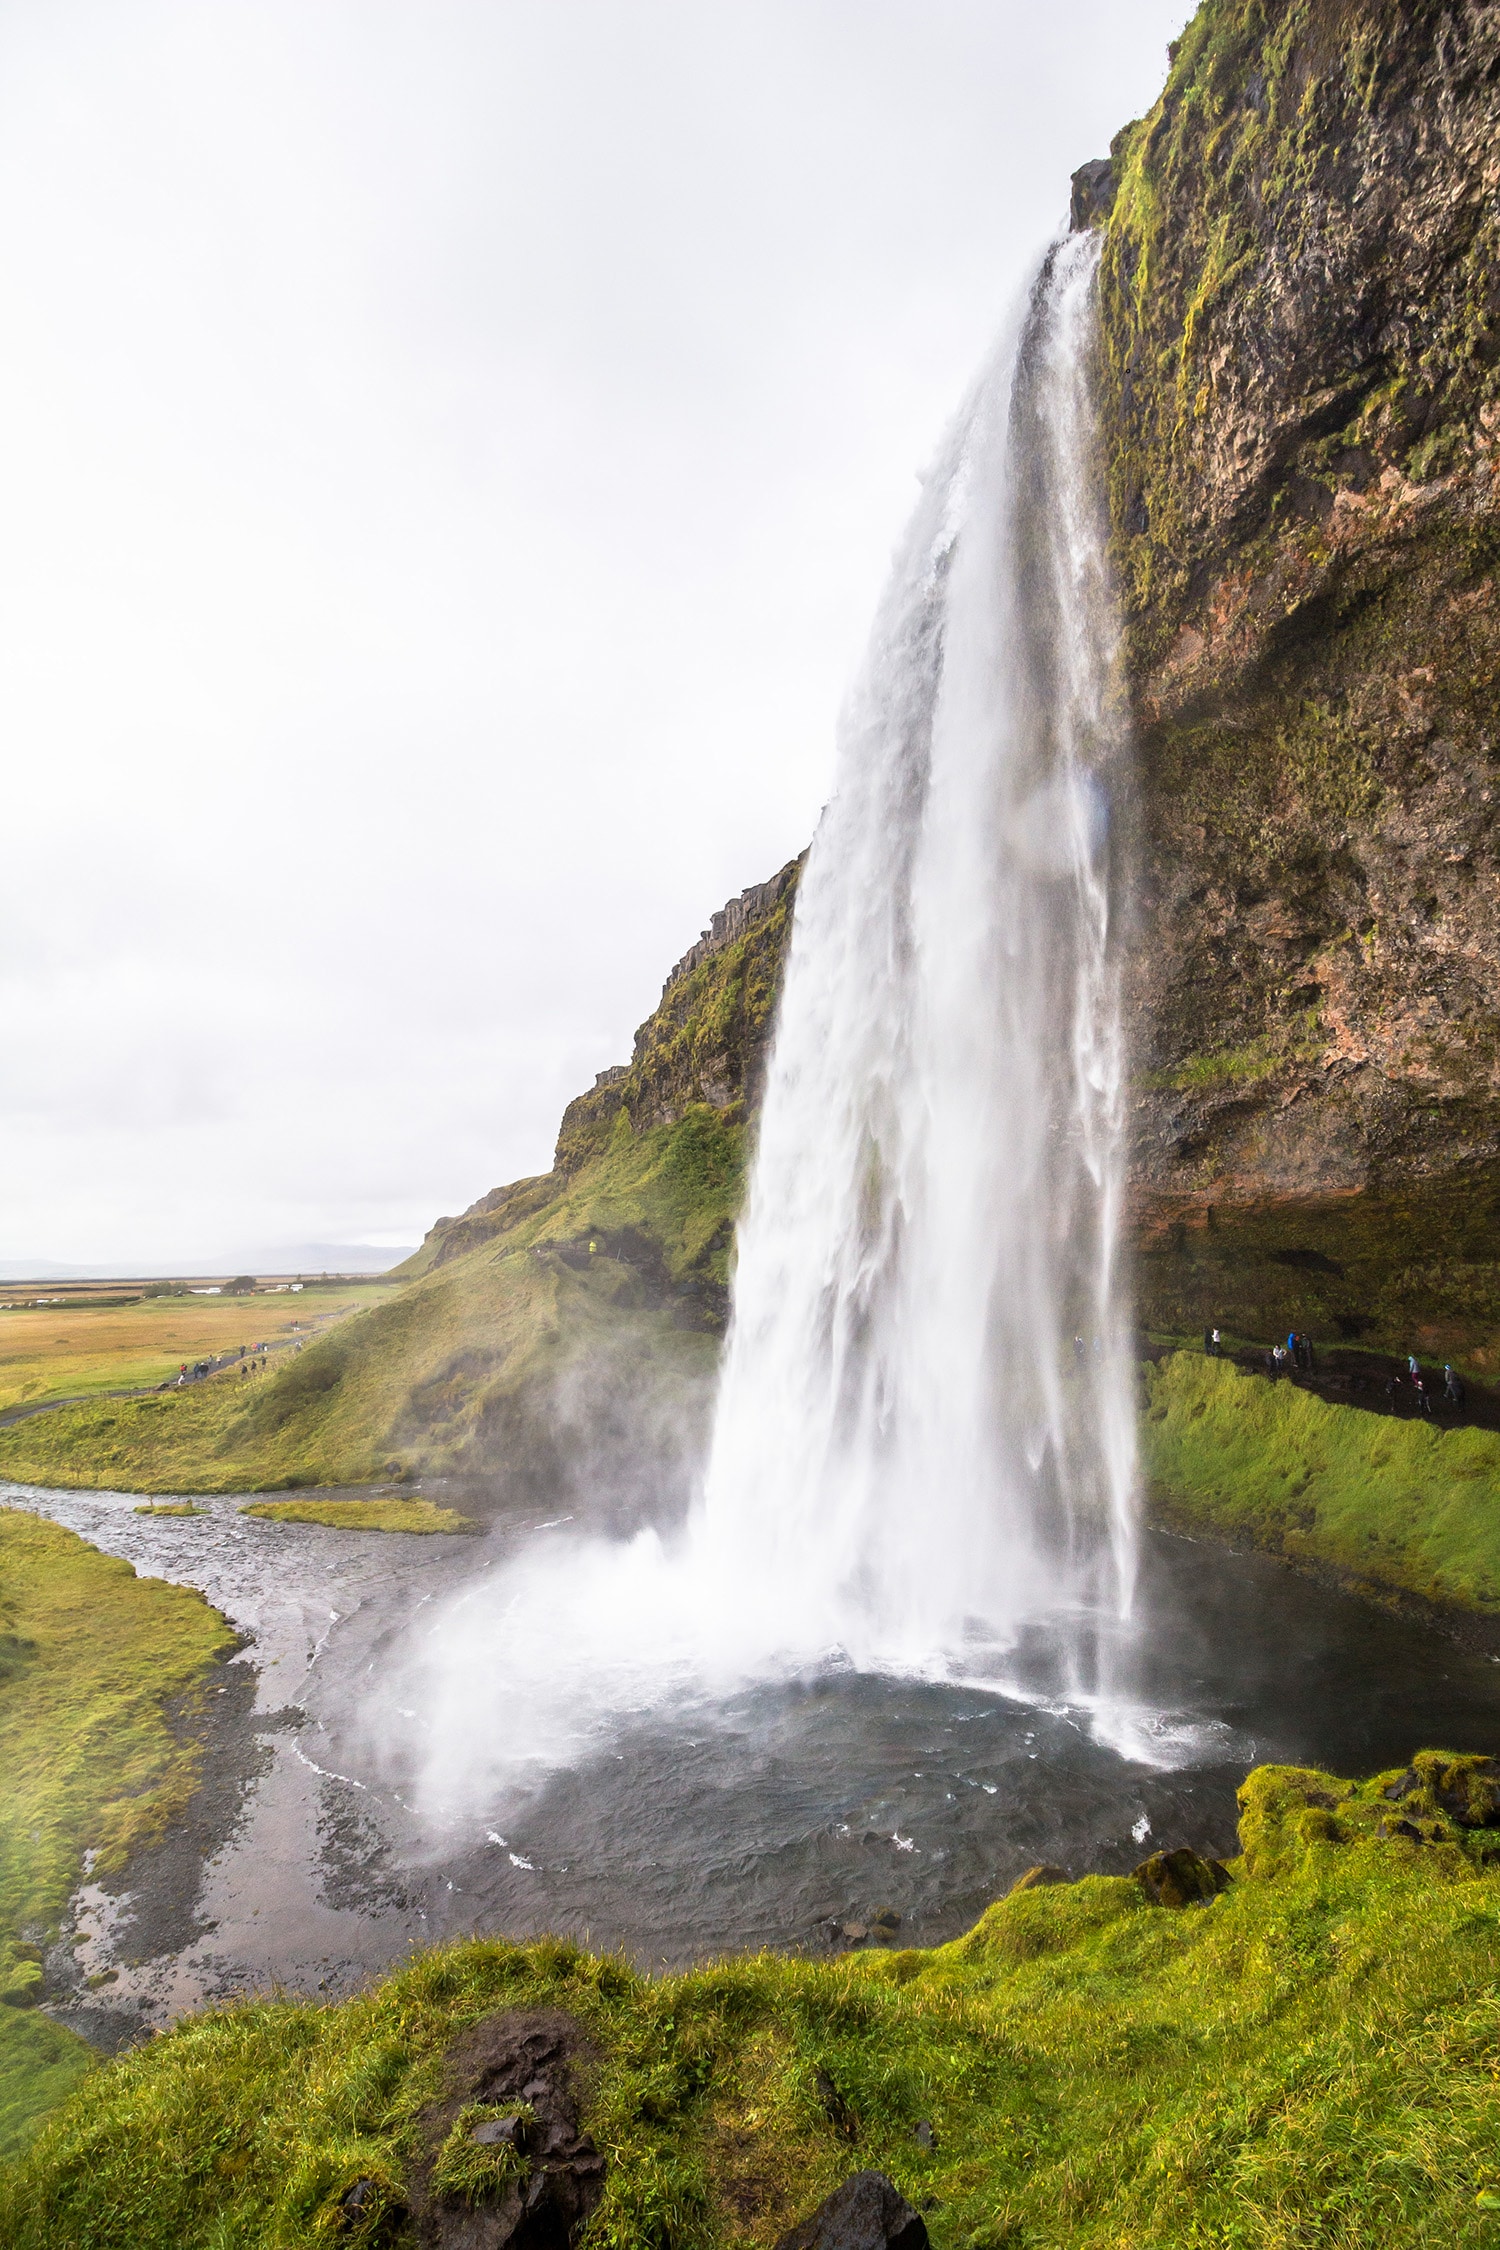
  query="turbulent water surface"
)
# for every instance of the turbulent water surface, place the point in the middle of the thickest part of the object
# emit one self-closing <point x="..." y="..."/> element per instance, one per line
<point x="777" y="1815"/>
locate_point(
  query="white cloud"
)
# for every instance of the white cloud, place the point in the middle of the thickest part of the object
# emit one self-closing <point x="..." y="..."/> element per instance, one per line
<point x="447" y="458"/>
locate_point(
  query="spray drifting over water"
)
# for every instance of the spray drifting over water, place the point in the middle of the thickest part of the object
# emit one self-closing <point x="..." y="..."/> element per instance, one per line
<point x="923" y="1447"/>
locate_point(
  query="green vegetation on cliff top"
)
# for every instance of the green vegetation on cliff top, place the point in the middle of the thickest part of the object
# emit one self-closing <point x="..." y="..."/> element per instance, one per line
<point x="1312" y="2057"/>
<point x="95" y="1667"/>
<point x="1398" y="1507"/>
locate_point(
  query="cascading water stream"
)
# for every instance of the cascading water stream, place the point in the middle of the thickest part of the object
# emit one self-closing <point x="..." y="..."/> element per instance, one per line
<point x="924" y="1432"/>
<point x="923" y="1452"/>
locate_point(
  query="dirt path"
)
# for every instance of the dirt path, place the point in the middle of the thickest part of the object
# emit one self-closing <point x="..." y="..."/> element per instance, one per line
<point x="1375" y="1382"/>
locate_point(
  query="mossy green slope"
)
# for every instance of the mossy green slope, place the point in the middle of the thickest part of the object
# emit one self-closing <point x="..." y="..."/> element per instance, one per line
<point x="98" y="1668"/>
<point x="1399" y="1507"/>
<point x="1314" y="2057"/>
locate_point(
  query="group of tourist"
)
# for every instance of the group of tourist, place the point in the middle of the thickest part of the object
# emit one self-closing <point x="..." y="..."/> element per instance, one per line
<point x="1295" y="1357"/>
<point x="251" y="1358"/>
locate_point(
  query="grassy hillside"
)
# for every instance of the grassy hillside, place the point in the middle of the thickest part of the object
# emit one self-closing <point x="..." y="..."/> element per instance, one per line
<point x="1309" y="2057"/>
<point x="558" y="1339"/>
<point x="1397" y="1506"/>
<point x="94" y="1664"/>
<point x="556" y="1350"/>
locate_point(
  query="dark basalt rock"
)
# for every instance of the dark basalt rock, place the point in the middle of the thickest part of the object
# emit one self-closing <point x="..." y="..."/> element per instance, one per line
<point x="518" y="2056"/>
<point x="868" y="2212"/>
<point x="1389" y="1828"/>
<point x="1302" y="439"/>
<point x="1093" y="193"/>
<point x="1464" y="1790"/>
<point x="1181" y="1878"/>
<point x="358" y="2207"/>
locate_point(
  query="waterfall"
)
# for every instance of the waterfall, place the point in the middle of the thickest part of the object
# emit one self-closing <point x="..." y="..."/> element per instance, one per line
<point x="924" y="1433"/>
<point x="923" y="1449"/>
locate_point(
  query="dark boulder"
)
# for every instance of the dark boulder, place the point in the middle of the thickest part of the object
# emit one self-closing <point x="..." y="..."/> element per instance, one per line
<point x="1465" y="1789"/>
<point x="1181" y="1878"/>
<point x="518" y="2057"/>
<point x="868" y="2212"/>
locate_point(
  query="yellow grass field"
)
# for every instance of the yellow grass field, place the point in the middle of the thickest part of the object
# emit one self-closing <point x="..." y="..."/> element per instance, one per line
<point x="73" y="1349"/>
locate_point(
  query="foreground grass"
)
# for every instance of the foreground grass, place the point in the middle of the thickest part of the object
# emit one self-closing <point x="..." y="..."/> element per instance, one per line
<point x="1312" y="2058"/>
<point x="92" y="1660"/>
<point x="71" y="1350"/>
<point x="1395" y="1505"/>
<point x="363" y="1515"/>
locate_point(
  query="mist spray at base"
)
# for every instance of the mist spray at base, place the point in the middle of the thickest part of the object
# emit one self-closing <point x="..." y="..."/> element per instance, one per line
<point x="922" y="1459"/>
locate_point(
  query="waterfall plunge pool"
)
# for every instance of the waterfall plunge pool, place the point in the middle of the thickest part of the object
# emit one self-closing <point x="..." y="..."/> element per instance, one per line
<point x="782" y="1814"/>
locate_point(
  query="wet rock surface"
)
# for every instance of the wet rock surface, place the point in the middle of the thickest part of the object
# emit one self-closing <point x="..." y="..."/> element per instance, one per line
<point x="525" y="2064"/>
<point x="868" y="2212"/>
<point x="1181" y="1878"/>
<point x="1303" y="439"/>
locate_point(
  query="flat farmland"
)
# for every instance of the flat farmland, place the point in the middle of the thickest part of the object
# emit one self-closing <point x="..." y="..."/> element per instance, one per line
<point x="82" y="1345"/>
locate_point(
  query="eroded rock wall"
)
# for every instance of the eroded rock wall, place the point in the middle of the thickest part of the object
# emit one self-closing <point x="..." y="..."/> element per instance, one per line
<point x="1300" y="300"/>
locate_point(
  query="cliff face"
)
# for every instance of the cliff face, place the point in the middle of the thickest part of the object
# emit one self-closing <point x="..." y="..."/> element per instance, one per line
<point x="706" y="1041"/>
<point x="1300" y="300"/>
<point x="702" y="1050"/>
<point x="1300" y="394"/>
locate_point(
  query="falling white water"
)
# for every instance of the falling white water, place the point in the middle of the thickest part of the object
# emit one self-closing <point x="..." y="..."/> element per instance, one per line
<point x="924" y="1442"/>
<point x="924" y="1431"/>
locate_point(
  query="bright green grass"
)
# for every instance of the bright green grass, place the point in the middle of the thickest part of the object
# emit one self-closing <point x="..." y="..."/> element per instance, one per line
<point x="91" y="1657"/>
<point x="1313" y="2059"/>
<point x="363" y="1515"/>
<point x="1395" y="1504"/>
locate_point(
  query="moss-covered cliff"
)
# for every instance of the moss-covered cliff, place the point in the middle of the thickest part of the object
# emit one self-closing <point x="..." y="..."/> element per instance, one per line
<point x="703" y="1047"/>
<point x="1300" y="302"/>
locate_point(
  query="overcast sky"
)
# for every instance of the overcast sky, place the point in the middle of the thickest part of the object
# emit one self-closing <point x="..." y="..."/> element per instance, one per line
<point x="449" y="452"/>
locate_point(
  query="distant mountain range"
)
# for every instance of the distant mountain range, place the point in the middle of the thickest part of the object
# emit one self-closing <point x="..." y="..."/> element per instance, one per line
<point x="297" y="1257"/>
